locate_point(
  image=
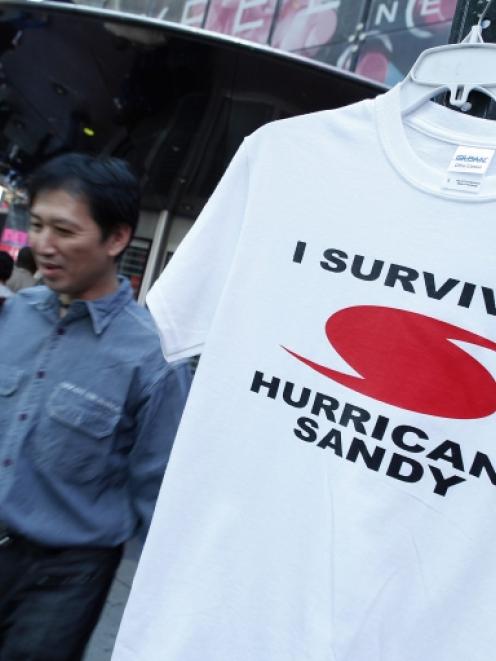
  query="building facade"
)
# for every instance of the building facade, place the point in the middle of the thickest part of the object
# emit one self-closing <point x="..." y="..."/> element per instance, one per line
<point x="378" y="39"/>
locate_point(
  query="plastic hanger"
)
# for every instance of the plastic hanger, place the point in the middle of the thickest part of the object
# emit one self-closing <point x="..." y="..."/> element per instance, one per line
<point x="457" y="69"/>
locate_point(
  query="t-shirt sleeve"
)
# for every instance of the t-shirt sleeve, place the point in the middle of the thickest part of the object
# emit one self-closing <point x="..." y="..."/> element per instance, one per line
<point x="184" y="299"/>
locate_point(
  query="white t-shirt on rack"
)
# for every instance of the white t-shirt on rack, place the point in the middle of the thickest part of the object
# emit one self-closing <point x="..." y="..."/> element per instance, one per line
<point x="331" y="492"/>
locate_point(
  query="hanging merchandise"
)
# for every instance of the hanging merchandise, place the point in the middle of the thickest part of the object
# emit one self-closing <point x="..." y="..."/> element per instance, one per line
<point x="332" y="486"/>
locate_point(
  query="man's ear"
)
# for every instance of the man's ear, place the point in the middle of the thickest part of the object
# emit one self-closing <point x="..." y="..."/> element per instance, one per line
<point x="118" y="240"/>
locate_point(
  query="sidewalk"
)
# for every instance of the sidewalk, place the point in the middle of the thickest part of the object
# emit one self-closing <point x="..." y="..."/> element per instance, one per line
<point x="102" y="641"/>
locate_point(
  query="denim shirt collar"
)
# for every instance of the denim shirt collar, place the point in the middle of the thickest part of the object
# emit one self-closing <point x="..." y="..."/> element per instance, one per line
<point x="101" y="310"/>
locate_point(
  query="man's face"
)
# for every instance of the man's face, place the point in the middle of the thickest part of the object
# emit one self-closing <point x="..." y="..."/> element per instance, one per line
<point x="67" y="243"/>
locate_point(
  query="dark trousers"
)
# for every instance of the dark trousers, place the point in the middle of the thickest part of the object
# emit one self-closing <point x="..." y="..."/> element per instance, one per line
<point x="51" y="599"/>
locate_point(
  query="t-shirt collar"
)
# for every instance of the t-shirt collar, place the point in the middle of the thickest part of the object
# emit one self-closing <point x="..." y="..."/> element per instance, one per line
<point x="444" y="124"/>
<point x="101" y="310"/>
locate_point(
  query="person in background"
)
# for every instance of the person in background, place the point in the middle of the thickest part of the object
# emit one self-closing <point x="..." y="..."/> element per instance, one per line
<point x="88" y="412"/>
<point x="6" y="266"/>
<point x="23" y="274"/>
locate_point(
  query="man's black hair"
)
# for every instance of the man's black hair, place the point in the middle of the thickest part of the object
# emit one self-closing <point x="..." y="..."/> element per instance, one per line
<point x="6" y="266"/>
<point x="106" y="184"/>
<point x="25" y="260"/>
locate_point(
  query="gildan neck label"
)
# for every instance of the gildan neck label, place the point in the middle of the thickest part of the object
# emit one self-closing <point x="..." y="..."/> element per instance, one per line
<point x="474" y="160"/>
<point x="467" y="169"/>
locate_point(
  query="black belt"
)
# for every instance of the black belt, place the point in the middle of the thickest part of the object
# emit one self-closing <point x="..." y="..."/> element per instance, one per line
<point x="8" y="537"/>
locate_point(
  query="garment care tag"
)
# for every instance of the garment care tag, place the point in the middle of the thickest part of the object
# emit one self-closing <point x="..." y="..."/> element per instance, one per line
<point x="464" y="183"/>
<point x="475" y="160"/>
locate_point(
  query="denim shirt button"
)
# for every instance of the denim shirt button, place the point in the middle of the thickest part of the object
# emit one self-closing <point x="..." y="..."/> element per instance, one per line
<point x="23" y="416"/>
<point x="7" y="462"/>
<point x="40" y="374"/>
<point x="60" y="330"/>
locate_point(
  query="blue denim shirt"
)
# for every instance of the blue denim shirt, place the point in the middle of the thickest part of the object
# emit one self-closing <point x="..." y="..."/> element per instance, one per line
<point x="88" y="414"/>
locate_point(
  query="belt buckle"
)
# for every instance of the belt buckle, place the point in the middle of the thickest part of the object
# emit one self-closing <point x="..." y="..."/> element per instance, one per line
<point x="5" y="538"/>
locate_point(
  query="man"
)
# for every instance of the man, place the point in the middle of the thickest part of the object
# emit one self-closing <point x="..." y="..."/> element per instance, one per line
<point x="23" y="274"/>
<point x="88" y="412"/>
<point x="6" y="266"/>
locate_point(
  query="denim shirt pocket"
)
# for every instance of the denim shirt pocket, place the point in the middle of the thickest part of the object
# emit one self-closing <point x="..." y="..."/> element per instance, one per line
<point x="80" y="430"/>
<point x="10" y="380"/>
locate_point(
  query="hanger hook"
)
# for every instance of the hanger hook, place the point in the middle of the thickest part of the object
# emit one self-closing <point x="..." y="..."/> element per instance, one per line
<point x="474" y="36"/>
<point x="484" y="14"/>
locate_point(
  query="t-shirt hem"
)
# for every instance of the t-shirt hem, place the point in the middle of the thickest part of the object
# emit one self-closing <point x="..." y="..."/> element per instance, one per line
<point x="187" y="352"/>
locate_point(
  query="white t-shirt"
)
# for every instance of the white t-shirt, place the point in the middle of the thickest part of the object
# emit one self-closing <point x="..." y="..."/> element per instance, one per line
<point x="331" y="492"/>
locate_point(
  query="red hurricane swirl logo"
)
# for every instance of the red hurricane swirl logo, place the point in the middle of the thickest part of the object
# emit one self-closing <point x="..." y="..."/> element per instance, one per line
<point x="410" y="361"/>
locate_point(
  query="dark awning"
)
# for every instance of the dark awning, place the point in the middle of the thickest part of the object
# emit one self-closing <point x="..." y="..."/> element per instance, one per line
<point x="175" y="101"/>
